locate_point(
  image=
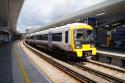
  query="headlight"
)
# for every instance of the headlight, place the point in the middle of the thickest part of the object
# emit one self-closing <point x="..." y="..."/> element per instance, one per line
<point x="78" y="46"/>
<point x="92" y="45"/>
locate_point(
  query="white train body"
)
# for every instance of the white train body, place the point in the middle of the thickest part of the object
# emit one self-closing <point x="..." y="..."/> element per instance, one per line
<point x="61" y="39"/>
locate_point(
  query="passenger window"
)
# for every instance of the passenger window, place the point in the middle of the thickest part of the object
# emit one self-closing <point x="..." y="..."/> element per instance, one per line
<point x="57" y="37"/>
<point x="37" y="37"/>
<point x="43" y="37"/>
<point x="66" y="37"/>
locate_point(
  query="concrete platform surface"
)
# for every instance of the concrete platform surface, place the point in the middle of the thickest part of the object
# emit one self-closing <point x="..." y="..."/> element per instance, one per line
<point x="111" y="53"/>
<point x="15" y="66"/>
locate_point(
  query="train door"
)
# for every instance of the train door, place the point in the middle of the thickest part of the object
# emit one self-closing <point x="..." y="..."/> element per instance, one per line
<point x="50" y="39"/>
<point x="72" y="38"/>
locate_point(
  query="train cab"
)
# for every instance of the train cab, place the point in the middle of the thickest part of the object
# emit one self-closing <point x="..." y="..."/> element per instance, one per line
<point x="82" y="40"/>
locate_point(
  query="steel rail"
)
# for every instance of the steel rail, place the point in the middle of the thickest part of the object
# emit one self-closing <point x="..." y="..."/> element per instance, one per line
<point x="99" y="73"/>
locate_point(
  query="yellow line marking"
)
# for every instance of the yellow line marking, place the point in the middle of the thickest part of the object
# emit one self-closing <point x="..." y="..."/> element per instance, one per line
<point x="22" y="68"/>
<point x="24" y="73"/>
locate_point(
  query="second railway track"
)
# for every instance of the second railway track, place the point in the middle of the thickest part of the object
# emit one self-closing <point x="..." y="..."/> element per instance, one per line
<point x="100" y="73"/>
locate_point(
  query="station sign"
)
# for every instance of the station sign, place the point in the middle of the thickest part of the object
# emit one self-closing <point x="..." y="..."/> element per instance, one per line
<point x="91" y="20"/>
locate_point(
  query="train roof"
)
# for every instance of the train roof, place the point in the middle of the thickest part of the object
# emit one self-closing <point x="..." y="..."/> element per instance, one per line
<point x="76" y="24"/>
<point x="69" y="25"/>
<point x="65" y="27"/>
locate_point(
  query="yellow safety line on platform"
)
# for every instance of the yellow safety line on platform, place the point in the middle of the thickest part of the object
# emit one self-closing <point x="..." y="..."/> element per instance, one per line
<point x="22" y="68"/>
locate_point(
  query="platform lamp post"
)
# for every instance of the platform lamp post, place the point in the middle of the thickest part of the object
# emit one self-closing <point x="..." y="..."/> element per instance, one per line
<point x="96" y="26"/>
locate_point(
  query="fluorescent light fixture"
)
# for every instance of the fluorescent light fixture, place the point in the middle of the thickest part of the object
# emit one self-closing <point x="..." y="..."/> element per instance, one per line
<point x="62" y="24"/>
<point x="100" y="14"/>
<point x="77" y="19"/>
<point x="115" y="24"/>
<point x="106" y="26"/>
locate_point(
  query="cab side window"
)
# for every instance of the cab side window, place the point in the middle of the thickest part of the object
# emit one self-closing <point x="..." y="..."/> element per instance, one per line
<point x="66" y="37"/>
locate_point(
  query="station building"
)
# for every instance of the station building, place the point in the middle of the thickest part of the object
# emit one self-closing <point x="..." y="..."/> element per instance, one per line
<point x="9" y="12"/>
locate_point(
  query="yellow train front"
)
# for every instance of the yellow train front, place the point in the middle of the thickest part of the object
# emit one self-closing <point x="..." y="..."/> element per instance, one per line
<point x="82" y="41"/>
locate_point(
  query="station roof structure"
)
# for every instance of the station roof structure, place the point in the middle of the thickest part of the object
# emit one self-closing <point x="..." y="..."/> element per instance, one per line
<point x="9" y="11"/>
<point x="108" y="8"/>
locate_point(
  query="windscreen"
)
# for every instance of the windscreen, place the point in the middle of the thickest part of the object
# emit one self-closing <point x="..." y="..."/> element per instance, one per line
<point x="83" y="36"/>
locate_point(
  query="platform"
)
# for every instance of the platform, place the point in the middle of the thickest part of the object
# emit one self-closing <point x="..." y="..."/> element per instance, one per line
<point x="15" y="66"/>
<point x="111" y="52"/>
<point x="111" y="56"/>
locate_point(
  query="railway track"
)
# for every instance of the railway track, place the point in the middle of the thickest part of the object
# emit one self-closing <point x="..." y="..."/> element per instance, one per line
<point x="62" y="67"/>
<point x="77" y="75"/>
<point x="109" y="77"/>
<point x="107" y="66"/>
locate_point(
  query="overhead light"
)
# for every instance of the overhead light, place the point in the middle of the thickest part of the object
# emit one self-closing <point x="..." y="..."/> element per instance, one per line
<point x="100" y="14"/>
<point x="62" y="24"/>
<point x="106" y="26"/>
<point x="77" y="19"/>
<point x="115" y="24"/>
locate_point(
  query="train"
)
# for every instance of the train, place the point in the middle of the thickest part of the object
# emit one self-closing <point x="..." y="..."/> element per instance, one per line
<point x="72" y="40"/>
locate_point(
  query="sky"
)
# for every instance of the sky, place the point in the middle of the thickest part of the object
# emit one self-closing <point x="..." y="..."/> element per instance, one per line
<point x="36" y="13"/>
